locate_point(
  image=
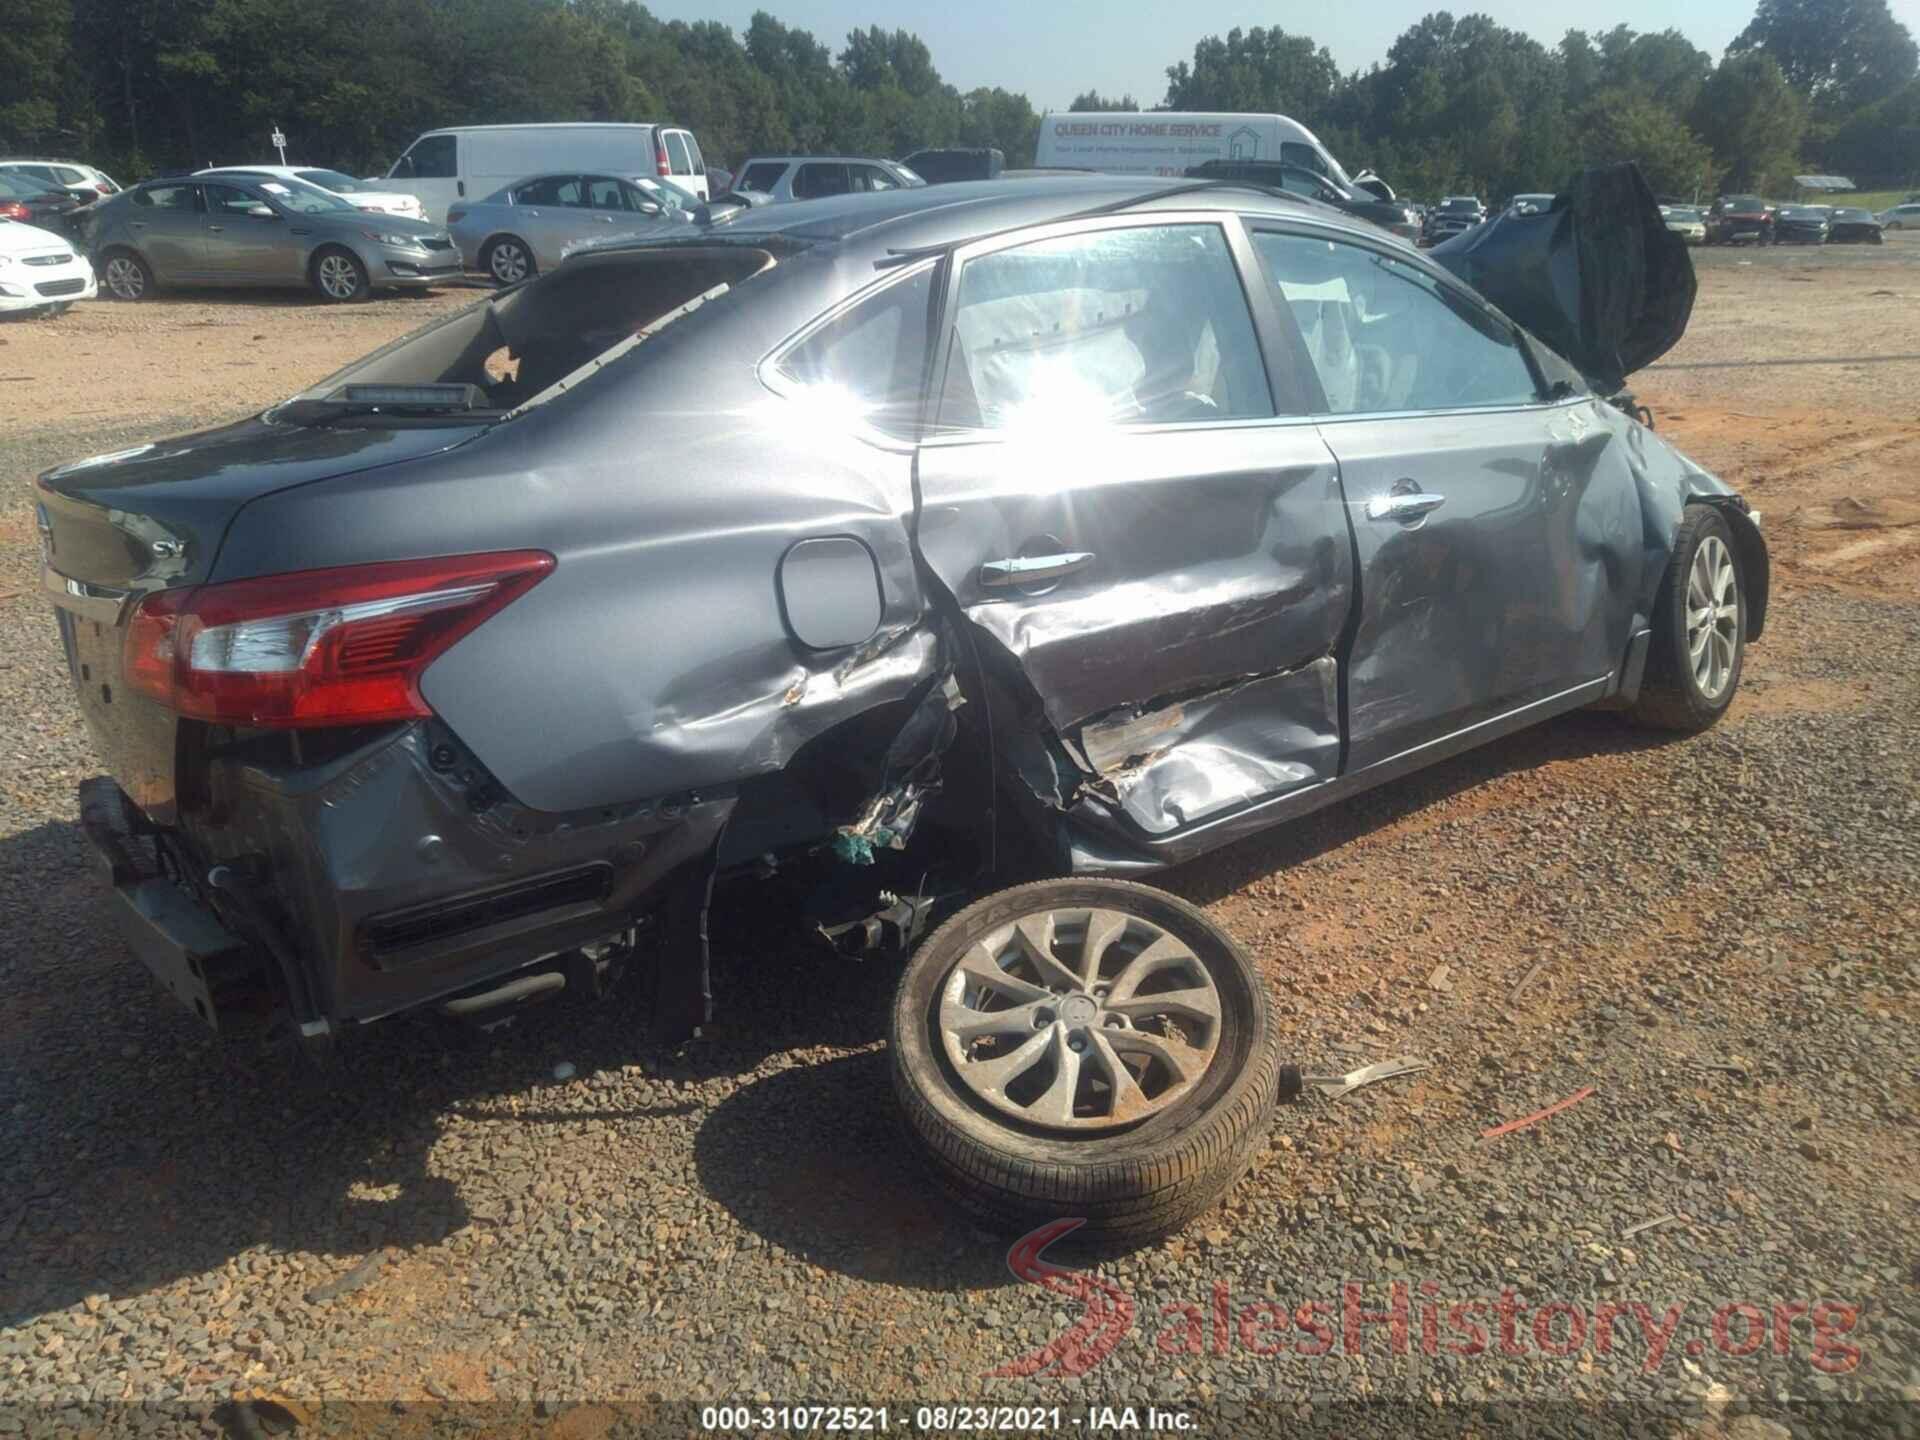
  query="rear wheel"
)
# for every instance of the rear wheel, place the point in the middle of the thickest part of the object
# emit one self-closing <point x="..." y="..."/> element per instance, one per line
<point x="509" y="260"/>
<point x="1085" y="1048"/>
<point x="1699" y="629"/>
<point x="127" y="276"/>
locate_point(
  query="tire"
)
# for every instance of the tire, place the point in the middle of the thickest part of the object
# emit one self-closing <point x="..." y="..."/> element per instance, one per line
<point x="338" y="276"/>
<point x="1673" y="694"/>
<point x="1131" y="1179"/>
<point x="125" y="276"/>
<point x="509" y="260"/>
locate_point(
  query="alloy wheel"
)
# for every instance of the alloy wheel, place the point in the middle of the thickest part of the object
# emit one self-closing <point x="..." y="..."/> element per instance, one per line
<point x="1079" y="1020"/>
<point x="1713" y="617"/>
<point x="339" y="277"/>
<point x="125" y="278"/>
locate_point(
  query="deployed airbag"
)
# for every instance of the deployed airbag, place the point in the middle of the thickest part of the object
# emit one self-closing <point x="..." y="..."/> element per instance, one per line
<point x="1599" y="277"/>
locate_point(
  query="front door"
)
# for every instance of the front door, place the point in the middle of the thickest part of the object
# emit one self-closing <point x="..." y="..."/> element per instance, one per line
<point x="1132" y="515"/>
<point x="244" y="245"/>
<point x="1483" y="514"/>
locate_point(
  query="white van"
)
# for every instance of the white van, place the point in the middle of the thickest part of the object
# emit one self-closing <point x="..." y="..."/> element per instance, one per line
<point x="472" y="161"/>
<point x="1167" y="142"/>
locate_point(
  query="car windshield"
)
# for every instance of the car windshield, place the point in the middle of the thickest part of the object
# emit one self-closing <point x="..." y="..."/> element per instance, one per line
<point x="13" y="185"/>
<point x="1848" y="213"/>
<point x="1457" y="204"/>
<point x="333" y="180"/>
<point x="911" y="176"/>
<point x="302" y="198"/>
<point x="1744" y="202"/>
<point x="1804" y="212"/>
<point x="1683" y="212"/>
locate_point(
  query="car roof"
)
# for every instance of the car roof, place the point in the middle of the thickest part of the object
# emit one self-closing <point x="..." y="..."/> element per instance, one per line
<point x="560" y="125"/>
<point x="935" y="216"/>
<point x="835" y="159"/>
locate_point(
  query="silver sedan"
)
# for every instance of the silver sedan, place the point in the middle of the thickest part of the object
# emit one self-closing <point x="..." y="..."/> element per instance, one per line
<point x="526" y="227"/>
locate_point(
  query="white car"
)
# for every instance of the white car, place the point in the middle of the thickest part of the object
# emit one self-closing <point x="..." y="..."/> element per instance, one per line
<point x="1686" y="221"/>
<point x="40" y="270"/>
<point x="83" y="182"/>
<point x="357" y="193"/>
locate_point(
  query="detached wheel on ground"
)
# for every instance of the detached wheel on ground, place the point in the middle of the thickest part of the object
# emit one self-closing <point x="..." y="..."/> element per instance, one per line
<point x="508" y="260"/>
<point x="1086" y="1048"/>
<point x="126" y="275"/>
<point x="1699" y="629"/>
<point x="338" y="276"/>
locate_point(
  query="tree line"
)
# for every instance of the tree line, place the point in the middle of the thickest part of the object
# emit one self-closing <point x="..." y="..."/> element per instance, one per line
<point x="1458" y="104"/>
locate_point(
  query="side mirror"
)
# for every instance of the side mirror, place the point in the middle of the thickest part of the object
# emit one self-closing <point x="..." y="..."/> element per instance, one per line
<point x="649" y="207"/>
<point x="262" y="212"/>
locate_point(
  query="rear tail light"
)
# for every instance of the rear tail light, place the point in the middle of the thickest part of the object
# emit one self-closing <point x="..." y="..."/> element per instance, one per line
<point x="14" y="210"/>
<point x="345" y="646"/>
<point x="103" y="187"/>
<point x="456" y="215"/>
<point x="661" y="165"/>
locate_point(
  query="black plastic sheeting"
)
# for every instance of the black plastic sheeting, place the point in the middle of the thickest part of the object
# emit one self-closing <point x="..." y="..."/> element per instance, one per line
<point x="1598" y="277"/>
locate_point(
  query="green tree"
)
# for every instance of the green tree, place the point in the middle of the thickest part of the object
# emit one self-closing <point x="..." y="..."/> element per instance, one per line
<point x="1094" y="101"/>
<point x="1840" y="54"/>
<point x="1753" y="120"/>
<point x="1259" y="70"/>
<point x="33" y="54"/>
<point x="1620" y="125"/>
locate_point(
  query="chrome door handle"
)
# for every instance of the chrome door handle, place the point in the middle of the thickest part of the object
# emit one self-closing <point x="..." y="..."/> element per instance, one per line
<point x="1410" y="505"/>
<point x="216" y="229"/>
<point x="1026" y="569"/>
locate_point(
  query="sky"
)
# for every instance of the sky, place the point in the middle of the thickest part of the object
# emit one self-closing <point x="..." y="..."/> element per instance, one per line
<point x="1056" y="49"/>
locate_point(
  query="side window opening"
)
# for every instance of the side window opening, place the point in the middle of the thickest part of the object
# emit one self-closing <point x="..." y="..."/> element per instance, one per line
<point x="1384" y="336"/>
<point x="868" y="364"/>
<point x="431" y="158"/>
<point x="1143" y="325"/>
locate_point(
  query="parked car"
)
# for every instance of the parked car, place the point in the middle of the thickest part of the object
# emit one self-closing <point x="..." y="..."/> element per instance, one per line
<point x="943" y="167"/>
<point x="242" y="231"/>
<point x="361" y="194"/>
<point x="40" y="270"/>
<point x="472" y="161"/>
<point x="1454" y="215"/>
<point x="82" y="182"/>
<point x="812" y="177"/>
<point x="1899" y="217"/>
<point x="1733" y="218"/>
<point x="433" y="684"/>
<point x="1850" y="225"/>
<point x="1687" y="221"/>
<point x="526" y="227"/>
<point x="1395" y="217"/>
<point x="32" y="202"/>
<point x="1800" y="225"/>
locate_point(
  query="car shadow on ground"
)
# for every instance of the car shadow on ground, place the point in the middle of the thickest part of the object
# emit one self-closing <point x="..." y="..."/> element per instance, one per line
<point x="135" y="1149"/>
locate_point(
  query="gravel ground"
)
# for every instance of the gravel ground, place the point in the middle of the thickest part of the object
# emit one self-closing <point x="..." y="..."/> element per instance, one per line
<point x="1716" y="937"/>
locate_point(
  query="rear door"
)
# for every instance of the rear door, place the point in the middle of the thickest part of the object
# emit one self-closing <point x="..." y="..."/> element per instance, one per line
<point x="680" y="163"/>
<point x="1492" y="525"/>
<point x="1135" y="516"/>
<point x="165" y="223"/>
<point x="813" y="179"/>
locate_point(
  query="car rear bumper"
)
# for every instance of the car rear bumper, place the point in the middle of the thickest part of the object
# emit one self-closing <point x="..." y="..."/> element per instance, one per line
<point x="389" y="877"/>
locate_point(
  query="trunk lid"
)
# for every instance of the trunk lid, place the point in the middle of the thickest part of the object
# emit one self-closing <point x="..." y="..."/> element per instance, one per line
<point x="1599" y="277"/>
<point x="117" y="527"/>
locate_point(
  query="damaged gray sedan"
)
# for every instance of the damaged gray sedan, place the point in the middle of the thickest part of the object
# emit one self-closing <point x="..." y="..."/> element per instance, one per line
<point x="1099" y="519"/>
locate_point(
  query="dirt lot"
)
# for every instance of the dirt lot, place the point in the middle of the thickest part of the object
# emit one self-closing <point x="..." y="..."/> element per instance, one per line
<point x="1715" y="937"/>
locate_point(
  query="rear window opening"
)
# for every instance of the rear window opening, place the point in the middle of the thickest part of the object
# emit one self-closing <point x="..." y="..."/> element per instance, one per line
<point x="532" y="342"/>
